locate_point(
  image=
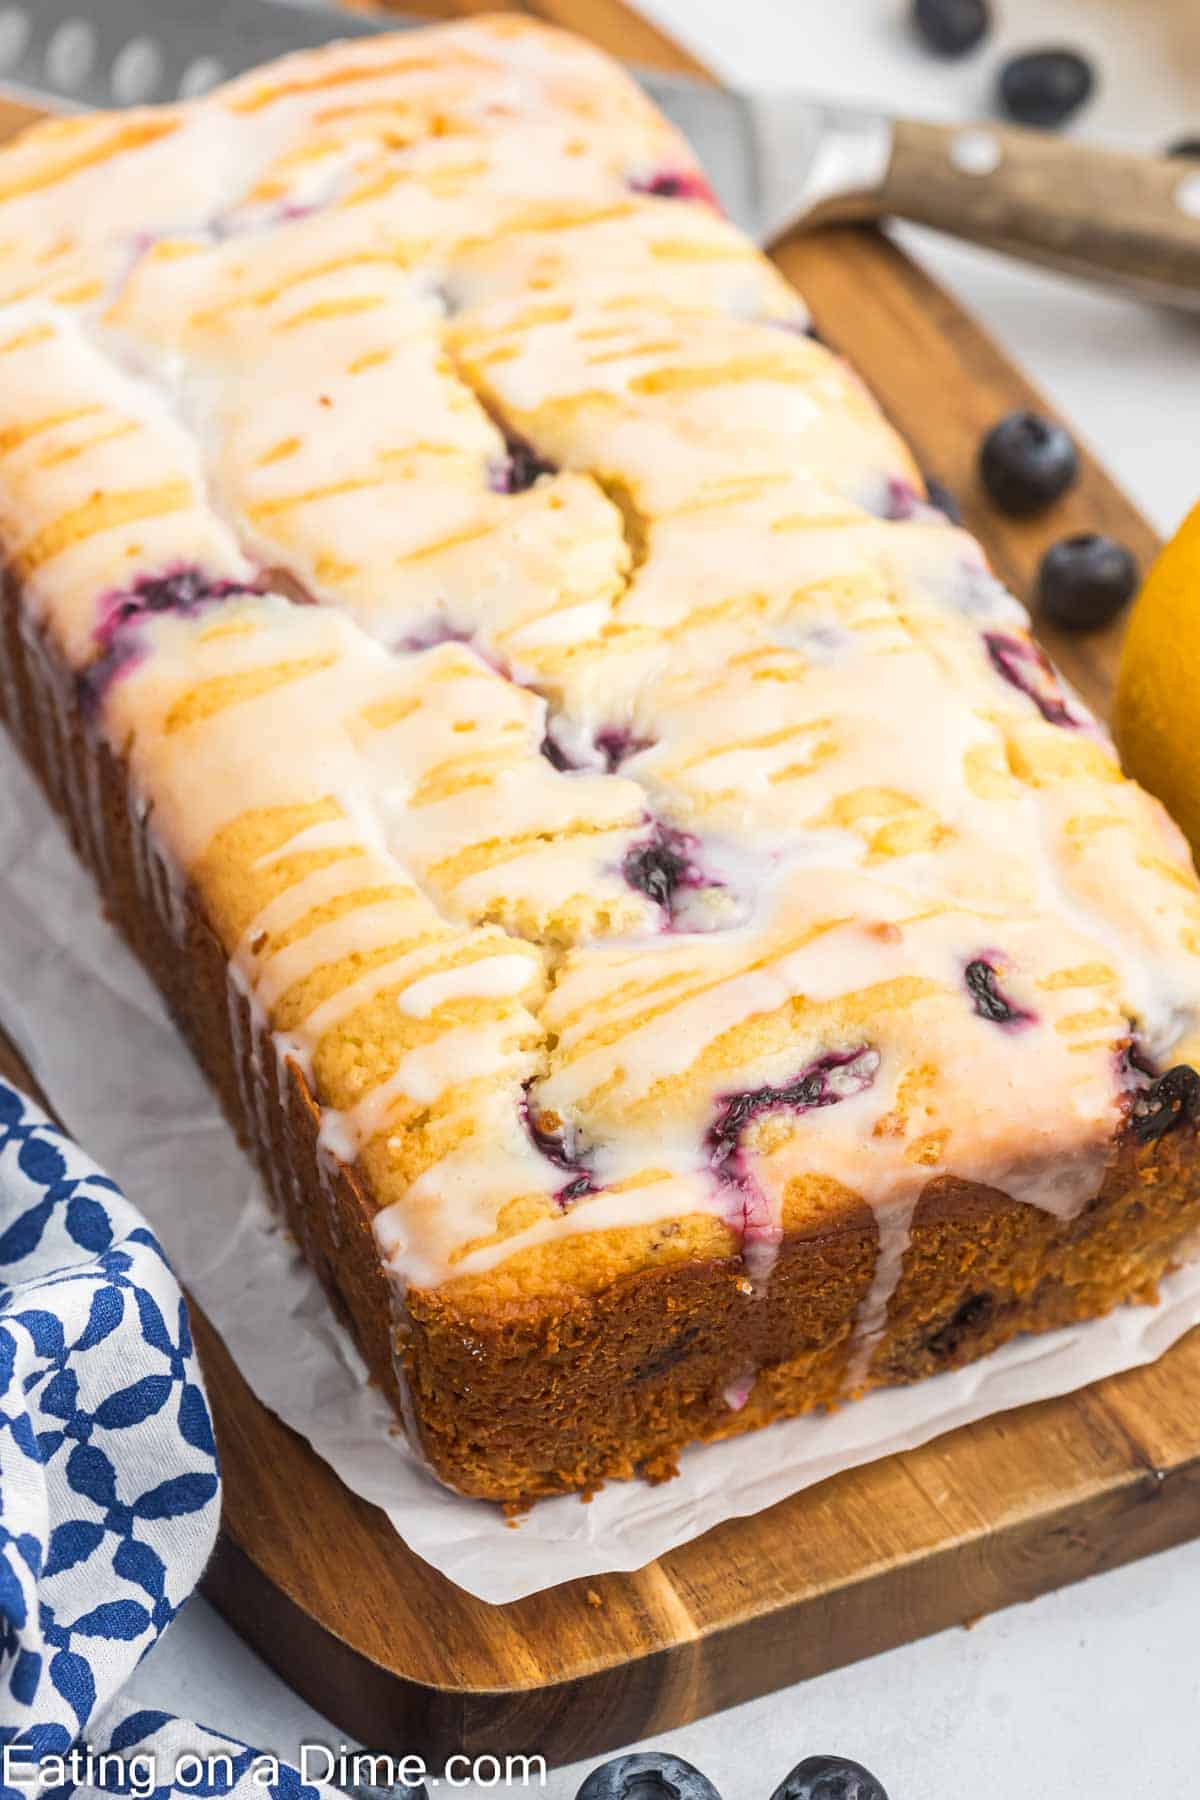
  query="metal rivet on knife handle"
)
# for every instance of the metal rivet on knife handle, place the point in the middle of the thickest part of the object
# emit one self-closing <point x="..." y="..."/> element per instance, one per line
<point x="975" y="153"/>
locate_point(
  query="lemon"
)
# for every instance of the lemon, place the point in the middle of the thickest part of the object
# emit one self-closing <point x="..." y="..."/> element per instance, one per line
<point x="1156" y="718"/>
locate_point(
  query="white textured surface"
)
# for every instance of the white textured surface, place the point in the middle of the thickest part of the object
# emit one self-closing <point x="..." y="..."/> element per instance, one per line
<point x="1092" y="1691"/>
<point x="1089" y="1694"/>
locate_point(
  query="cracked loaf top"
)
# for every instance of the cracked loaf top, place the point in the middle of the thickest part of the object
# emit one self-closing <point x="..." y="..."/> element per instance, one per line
<point x="643" y="819"/>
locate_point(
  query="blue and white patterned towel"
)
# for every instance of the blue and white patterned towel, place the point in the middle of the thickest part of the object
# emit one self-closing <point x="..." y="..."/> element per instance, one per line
<point x="109" y="1484"/>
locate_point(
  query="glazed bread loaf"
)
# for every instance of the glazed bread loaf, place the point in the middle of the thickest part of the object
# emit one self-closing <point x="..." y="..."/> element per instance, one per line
<point x="677" y="952"/>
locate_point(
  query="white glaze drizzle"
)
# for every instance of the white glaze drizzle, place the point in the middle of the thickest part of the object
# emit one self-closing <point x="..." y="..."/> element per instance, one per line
<point x="498" y="976"/>
<point x="453" y="1059"/>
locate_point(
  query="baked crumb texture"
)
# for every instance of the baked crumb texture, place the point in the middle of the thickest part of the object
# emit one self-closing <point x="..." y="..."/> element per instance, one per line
<point x="679" y="954"/>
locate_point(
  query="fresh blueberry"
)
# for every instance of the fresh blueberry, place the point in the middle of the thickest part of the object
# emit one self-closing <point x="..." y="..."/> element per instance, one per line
<point x="1084" y="581"/>
<point x="829" y="1778"/>
<point x="653" y="1775"/>
<point x="1027" y="462"/>
<point x="944" y="500"/>
<point x="1045" y="87"/>
<point x="952" y="27"/>
<point x="1168" y="1102"/>
<point x="1188" y="147"/>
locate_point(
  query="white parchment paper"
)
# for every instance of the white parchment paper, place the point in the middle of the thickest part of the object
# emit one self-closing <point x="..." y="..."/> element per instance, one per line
<point x="96" y="1035"/>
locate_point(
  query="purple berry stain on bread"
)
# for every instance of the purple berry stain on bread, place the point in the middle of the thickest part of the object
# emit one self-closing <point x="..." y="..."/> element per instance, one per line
<point x="832" y="1077"/>
<point x="436" y="631"/>
<point x="556" y="756"/>
<point x="676" y="184"/>
<point x="550" y="1139"/>
<point x="825" y="1081"/>
<point x="613" y="747"/>
<point x="990" y="1001"/>
<point x="800" y="326"/>
<point x="1023" y="666"/>
<point x="181" y="591"/>
<point x="574" y="1190"/>
<point x="662" y="866"/>
<point x="521" y="468"/>
<point x="901" y="501"/>
<point x="617" y="744"/>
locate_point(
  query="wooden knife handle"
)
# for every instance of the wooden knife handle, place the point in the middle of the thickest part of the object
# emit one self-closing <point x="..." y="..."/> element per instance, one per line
<point x="1102" y="213"/>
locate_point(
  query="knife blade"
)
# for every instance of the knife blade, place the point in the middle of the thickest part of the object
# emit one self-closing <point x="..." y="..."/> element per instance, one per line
<point x="775" y="161"/>
<point x="766" y="157"/>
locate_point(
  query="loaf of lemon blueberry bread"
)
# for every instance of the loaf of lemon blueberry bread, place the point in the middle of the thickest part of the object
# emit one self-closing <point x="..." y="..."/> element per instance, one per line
<point x="677" y="952"/>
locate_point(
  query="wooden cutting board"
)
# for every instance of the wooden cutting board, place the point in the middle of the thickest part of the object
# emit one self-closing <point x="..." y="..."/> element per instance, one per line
<point x="319" y="1584"/>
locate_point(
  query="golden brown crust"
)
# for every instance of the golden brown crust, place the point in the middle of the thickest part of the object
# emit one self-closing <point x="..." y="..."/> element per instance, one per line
<point x="512" y="1399"/>
<point x="608" y="1384"/>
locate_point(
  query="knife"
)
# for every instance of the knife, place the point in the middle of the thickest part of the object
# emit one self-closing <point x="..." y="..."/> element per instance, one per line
<point x="775" y="161"/>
